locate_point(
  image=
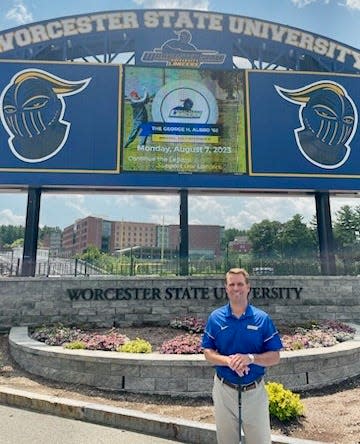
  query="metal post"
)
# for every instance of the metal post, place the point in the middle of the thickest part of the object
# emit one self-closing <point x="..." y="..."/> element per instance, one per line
<point x="184" y="234"/>
<point x="325" y="233"/>
<point x="131" y="262"/>
<point x="31" y="232"/>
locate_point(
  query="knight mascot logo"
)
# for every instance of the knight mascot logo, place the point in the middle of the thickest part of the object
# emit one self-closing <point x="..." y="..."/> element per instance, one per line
<point x="328" y="118"/>
<point x="32" y="108"/>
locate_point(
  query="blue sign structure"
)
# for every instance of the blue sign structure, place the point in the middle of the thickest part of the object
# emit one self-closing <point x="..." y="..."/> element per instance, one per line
<point x="163" y="126"/>
<point x="307" y="121"/>
<point x="59" y="118"/>
<point x="116" y="127"/>
<point x="65" y="125"/>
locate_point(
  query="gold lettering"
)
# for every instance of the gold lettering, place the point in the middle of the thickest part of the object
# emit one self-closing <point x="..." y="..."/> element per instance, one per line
<point x="84" y="25"/>
<point x="306" y="41"/>
<point x="201" y="16"/>
<point x="292" y="37"/>
<point x="38" y="33"/>
<point x="122" y="21"/>
<point x="277" y="32"/>
<point x="215" y="23"/>
<point x="356" y="56"/>
<point x="151" y="19"/>
<point x="54" y="30"/>
<point x="236" y="24"/>
<point x="320" y="46"/>
<point x="115" y="21"/>
<point x="99" y="20"/>
<point x="166" y="16"/>
<point x="130" y="20"/>
<point x="252" y="27"/>
<point x="23" y="37"/>
<point x="331" y="50"/>
<point x="69" y="26"/>
<point x="6" y="41"/>
<point x="183" y="20"/>
<point x="343" y="52"/>
<point x="265" y="30"/>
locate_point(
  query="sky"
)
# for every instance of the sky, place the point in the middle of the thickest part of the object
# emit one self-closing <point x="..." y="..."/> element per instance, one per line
<point x="336" y="19"/>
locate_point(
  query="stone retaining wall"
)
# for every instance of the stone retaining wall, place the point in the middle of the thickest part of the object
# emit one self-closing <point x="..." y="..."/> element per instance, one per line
<point x="185" y="375"/>
<point x="113" y="301"/>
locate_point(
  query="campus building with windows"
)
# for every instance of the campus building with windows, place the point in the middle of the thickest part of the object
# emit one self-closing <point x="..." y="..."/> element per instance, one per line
<point x="119" y="236"/>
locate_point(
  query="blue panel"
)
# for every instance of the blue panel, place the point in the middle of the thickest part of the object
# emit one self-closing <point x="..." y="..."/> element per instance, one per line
<point x="60" y="127"/>
<point x="304" y="125"/>
<point x="59" y="117"/>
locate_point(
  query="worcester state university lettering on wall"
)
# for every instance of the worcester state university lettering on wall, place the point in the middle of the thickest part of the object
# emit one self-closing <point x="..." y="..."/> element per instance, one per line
<point x="175" y="293"/>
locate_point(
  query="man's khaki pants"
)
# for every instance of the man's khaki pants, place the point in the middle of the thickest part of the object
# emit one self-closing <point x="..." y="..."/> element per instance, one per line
<point x="254" y="414"/>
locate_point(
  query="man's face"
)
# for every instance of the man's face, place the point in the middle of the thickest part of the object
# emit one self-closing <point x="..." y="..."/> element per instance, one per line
<point x="237" y="289"/>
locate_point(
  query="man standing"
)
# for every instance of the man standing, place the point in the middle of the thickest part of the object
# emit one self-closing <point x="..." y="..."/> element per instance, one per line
<point x="140" y="116"/>
<point x="241" y="341"/>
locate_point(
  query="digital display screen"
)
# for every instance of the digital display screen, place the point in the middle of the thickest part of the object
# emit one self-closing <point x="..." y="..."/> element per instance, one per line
<point x="183" y="120"/>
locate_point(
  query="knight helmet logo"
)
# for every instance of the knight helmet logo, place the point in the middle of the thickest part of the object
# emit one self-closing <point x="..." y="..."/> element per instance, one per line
<point x="328" y="118"/>
<point x="32" y="108"/>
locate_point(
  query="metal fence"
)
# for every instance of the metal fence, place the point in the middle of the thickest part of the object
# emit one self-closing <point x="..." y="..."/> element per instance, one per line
<point x="193" y="267"/>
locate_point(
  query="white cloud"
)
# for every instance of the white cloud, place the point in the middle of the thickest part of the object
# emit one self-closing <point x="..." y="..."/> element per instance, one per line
<point x="232" y="211"/>
<point x="19" y="13"/>
<point x="302" y="3"/>
<point x="63" y="209"/>
<point x="7" y="217"/>
<point x="242" y="212"/>
<point x="151" y="208"/>
<point x="351" y="4"/>
<point x="174" y="4"/>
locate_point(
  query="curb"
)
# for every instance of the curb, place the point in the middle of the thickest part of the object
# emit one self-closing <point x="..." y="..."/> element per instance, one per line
<point x="184" y="431"/>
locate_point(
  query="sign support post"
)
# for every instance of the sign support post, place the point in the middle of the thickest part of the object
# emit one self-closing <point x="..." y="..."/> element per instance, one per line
<point x="325" y="233"/>
<point x="31" y="232"/>
<point x="184" y="234"/>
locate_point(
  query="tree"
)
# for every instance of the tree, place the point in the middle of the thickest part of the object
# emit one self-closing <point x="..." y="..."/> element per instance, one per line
<point x="91" y="254"/>
<point x="17" y="243"/>
<point x="263" y="237"/>
<point x="229" y="235"/>
<point x="9" y="233"/>
<point x="295" y="238"/>
<point x="347" y="234"/>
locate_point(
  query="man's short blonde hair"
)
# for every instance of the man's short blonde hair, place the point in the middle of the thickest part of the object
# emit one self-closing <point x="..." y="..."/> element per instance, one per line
<point x="237" y="271"/>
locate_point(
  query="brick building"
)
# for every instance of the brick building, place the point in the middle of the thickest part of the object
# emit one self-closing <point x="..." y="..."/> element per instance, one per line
<point x="131" y="234"/>
<point x="204" y="240"/>
<point x="85" y="232"/>
<point x="111" y="236"/>
<point x="52" y="240"/>
<point x="240" y="244"/>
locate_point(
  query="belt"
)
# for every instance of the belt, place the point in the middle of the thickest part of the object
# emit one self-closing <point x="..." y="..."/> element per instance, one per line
<point x="242" y="387"/>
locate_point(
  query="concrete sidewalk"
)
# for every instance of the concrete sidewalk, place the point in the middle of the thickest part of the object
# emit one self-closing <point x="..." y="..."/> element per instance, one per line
<point x="20" y="426"/>
<point x="136" y="421"/>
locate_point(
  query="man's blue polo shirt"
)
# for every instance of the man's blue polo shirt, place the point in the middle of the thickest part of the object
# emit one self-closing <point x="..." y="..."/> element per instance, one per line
<point x="254" y="332"/>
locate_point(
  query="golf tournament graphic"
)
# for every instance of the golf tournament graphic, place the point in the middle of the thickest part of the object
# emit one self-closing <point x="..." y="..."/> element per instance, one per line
<point x="183" y="120"/>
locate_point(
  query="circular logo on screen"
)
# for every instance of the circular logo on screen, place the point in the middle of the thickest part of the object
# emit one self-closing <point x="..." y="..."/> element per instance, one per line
<point x="184" y="101"/>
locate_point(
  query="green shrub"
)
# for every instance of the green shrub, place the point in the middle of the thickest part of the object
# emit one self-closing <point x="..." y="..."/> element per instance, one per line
<point x="283" y="403"/>
<point x="75" y="345"/>
<point x="136" y="346"/>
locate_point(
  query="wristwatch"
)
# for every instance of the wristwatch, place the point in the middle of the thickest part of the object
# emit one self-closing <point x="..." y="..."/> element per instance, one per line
<point x="251" y="358"/>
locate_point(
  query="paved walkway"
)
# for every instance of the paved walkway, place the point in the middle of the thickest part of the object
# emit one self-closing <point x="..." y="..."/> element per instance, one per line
<point x="19" y="426"/>
<point x="145" y="427"/>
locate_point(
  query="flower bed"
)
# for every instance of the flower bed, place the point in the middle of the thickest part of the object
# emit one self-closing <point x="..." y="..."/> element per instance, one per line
<point x="312" y="335"/>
